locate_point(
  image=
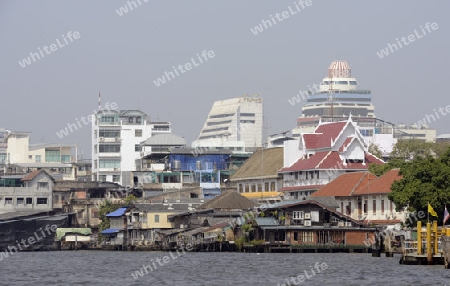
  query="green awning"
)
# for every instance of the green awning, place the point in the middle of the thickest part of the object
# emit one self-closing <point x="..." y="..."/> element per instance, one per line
<point x="60" y="232"/>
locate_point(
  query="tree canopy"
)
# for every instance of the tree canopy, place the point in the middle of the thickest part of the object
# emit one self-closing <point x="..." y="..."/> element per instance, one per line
<point x="425" y="179"/>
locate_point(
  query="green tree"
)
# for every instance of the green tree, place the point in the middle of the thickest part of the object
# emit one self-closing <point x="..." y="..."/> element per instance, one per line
<point x="105" y="208"/>
<point x="425" y="180"/>
<point x="375" y="150"/>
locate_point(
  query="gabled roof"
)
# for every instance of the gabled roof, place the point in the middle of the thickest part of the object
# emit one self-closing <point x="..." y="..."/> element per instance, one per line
<point x="382" y="185"/>
<point x="230" y="200"/>
<point x="345" y="185"/>
<point x="330" y="131"/>
<point x="263" y="163"/>
<point x="30" y="176"/>
<point x="330" y="160"/>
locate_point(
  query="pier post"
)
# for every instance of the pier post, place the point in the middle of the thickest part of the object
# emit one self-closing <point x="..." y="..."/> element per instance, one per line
<point x="419" y="237"/>
<point x="429" y="252"/>
<point x="435" y="233"/>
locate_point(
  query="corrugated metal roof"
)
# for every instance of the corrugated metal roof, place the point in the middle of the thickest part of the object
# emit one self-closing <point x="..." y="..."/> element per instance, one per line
<point x="165" y="139"/>
<point x="117" y="213"/>
<point x="110" y="231"/>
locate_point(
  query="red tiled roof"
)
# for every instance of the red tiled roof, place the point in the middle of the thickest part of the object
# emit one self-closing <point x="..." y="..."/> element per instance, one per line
<point x="346" y="143"/>
<point x="345" y="185"/>
<point x="306" y="164"/>
<point x="300" y="188"/>
<point x="311" y="140"/>
<point x="329" y="160"/>
<point x="330" y="131"/>
<point x="382" y="185"/>
<point x="30" y="176"/>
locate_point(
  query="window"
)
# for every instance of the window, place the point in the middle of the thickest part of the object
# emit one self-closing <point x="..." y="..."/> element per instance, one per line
<point x="52" y="156"/>
<point x="137" y="148"/>
<point x="295" y="236"/>
<point x="8" y="201"/>
<point x="382" y="206"/>
<point x="109" y="163"/>
<point x="37" y="158"/>
<point x="130" y="119"/>
<point x="102" y="178"/>
<point x="65" y="158"/>
<point x="253" y="188"/>
<point x="109" y="133"/>
<point x="266" y="187"/>
<point x="29" y="201"/>
<point x="365" y="206"/>
<point x="42" y="185"/>
<point x="247" y="188"/>
<point x="107" y="119"/>
<point x="138" y="120"/>
<point x="41" y="201"/>
<point x="94" y="213"/>
<point x="272" y="186"/>
<point x="390" y="206"/>
<point x="349" y="208"/>
<point x="248" y="114"/>
<point x="260" y="187"/>
<point x="20" y="201"/>
<point x="240" y="188"/>
<point x="374" y="206"/>
<point x="297" y="215"/>
<point x="138" y="133"/>
<point x="109" y="148"/>
<point x="306" y="236"/>
<point x="116" y="178"/>
<point x="30" y="157"/>
<point x="80" y="214"/>
<point x="156" y="218"/>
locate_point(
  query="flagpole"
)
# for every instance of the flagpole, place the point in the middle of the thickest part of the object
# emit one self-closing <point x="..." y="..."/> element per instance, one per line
<point x="428" y="212"/>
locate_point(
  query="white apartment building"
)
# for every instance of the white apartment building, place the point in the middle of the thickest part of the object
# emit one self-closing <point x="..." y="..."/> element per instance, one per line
<point x="18" y="156"/>
<point x="116" y="143"/>
<point x="235" y="124"/>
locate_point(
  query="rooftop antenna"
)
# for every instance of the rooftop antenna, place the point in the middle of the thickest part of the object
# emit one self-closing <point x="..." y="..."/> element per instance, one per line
<point x="99" y="100"/>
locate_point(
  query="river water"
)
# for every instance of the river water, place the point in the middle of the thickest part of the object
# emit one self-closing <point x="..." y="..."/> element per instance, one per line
<point x="164" y="268"/>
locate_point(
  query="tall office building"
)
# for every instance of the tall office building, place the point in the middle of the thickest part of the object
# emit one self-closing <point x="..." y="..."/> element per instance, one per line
<point x="235" y="124"/>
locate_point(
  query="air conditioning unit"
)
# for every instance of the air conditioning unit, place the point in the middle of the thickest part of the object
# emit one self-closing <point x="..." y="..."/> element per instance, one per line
<point x="307" y="215"/>
<point x="182" y="226"/>
<point x="348" y="224"/>
<point x="101" y="139"/>
<point x="341" y="224"/>
<point x="116" y="169"/>
<point x="307" y="223"/>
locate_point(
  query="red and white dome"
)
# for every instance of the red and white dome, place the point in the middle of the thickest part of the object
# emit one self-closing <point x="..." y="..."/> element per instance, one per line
<point x="339" y="69"/>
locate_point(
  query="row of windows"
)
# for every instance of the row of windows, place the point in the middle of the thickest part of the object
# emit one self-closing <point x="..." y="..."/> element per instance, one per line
<point x="108" y="119"/>
<point x="247" y="188"/>
<point x="247" y="121"/>
<point x="102" y="178"/>
<point x="339" y="82"/>
<point x="365" y="207"/>
<point x="109" y="163"/>
<point x="248" y="114"/>
<point x="218" y="123"/>
<point x="26" y="201"/>
<point x="308" y="174"/>
<point x="94" y="214"/>
<point x="215" y="129"/>
<point x="222" y="115"/>
<point x="134" y="119"/>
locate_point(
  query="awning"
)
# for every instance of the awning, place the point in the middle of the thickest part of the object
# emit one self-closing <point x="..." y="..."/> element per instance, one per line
<point x="110" y="231"/>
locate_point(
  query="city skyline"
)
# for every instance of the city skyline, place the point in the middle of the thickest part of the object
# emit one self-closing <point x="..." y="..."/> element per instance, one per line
<point x="121" y="56"/>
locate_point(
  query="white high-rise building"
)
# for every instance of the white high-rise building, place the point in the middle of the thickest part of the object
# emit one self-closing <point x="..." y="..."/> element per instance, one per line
<point x="116" y="138"/>
<point x="235" y="124"/>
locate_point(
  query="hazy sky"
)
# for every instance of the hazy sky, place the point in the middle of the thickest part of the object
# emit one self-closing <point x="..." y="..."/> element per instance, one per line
<point x="123" y="55"/>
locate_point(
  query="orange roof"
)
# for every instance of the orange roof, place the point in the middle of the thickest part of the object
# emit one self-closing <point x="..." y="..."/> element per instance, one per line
<point x="382" y="185"/>
<point x="30" y="176"/>
<point x="345" y="185"/>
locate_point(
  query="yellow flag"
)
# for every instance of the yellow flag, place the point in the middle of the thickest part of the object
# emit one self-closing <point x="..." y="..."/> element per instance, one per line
<point x="431" y="210"/>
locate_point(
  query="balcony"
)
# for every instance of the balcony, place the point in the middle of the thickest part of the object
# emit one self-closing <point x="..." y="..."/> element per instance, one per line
<point x="304" y="182"/>
<point x="109" y="169"/>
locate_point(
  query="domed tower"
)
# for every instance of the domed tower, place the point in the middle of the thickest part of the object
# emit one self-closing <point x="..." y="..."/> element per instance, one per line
<point x="339" y="69"/>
